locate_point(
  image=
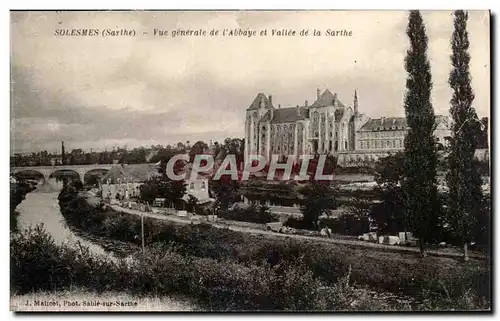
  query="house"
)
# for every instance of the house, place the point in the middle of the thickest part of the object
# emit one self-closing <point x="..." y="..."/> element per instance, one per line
<point x="125" y="180"/>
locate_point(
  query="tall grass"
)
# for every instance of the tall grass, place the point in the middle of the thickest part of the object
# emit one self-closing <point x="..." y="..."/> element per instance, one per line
<point x="384" y="271"/>
<point x="39" y="264"/>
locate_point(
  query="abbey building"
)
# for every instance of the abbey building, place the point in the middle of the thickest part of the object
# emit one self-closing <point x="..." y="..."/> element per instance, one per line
<point x="327" y="126"/>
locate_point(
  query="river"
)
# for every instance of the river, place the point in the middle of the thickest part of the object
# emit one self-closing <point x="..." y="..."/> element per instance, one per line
<point x="43" y="207"/>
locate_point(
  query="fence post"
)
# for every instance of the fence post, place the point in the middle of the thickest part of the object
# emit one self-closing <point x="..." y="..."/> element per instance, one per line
<point x="142" y="231"/>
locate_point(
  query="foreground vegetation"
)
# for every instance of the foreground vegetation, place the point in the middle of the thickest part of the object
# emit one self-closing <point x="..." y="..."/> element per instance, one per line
<point x="39" y="264"/>
<point x="286" y="263"/>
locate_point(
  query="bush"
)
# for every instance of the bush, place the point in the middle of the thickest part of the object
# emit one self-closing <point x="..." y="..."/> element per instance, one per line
<point x="396" y="272"/>
<point x="347" y="224"/>
<point x="39" y="264"/>
<point x="253" y="214"/>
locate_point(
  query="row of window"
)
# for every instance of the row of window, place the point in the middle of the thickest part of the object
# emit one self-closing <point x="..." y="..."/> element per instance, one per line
<point x="382" y="134"/>
<point x="361" y="158"/>
<point x="381" y="144"/>
<point x="203" y="186"/>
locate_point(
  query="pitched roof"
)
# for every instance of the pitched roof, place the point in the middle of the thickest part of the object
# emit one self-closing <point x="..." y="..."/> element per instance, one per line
<point x="132" y="173"/>
<point x="388" y="123"/>
<point x="327" y="99"/>
<point x="288" y="115"/>
<point x="256" y="102"/>
<point x="395" y="123"/>
<point x="443" y="119"/>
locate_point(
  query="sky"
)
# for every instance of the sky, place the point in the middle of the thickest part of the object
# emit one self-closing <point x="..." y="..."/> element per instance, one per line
<point x="100" y="92"/>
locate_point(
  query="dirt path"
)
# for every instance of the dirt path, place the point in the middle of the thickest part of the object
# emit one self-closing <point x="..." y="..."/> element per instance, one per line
<point x="271" y="234"/>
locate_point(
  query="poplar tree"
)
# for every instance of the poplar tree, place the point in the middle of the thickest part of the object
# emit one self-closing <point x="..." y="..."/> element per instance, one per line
<point x="419" y="178"/>
<point x="464" y="181"/>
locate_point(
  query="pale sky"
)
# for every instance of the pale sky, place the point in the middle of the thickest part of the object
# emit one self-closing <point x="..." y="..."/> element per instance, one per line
<point x="95" y="92"/>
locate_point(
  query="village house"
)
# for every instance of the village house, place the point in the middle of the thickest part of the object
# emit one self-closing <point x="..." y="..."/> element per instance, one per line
<point x="125" y="180"/>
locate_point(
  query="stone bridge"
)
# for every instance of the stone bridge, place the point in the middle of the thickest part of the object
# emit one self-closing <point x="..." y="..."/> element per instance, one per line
<point x="47" y="171"/>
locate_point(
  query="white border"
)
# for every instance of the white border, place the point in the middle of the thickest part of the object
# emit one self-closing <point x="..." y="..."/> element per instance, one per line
<point x="190" y="4"/>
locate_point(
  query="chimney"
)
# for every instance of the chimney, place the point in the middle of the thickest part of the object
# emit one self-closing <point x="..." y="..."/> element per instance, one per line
<point x="271" y="100"/>
<point x="318" y="92"/>
<point x="306" y="103"/>
<point x="63" y="154"/>
<point x="279" y="105"/>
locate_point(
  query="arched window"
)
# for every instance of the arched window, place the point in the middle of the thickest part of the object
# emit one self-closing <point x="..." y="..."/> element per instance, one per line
<point x="203" y="186"/>
<point x="345" y="144"/>
<point x="191" y="186"/>
<point x="336" y="145"/>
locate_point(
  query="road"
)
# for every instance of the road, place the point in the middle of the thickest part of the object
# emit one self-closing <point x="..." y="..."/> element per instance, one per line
<point x="271" y="234"/>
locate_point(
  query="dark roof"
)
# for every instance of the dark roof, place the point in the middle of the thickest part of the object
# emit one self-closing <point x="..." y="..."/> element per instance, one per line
<point x="327" y="99"/>
<point x="443" y="119"/>
<point x="388" y="123"/>
<point x="288" y="115"/>
<point x="133" y="173"/>
<point x="394" y="123"/>
<point x="256" y="102"/>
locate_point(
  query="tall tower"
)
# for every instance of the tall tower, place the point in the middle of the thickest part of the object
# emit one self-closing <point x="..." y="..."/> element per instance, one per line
<point x="63" y="154"/>
<point x="355" y="102"/>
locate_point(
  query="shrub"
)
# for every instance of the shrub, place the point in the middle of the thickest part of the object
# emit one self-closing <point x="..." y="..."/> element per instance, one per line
<point x="38" y="263"/>
<point x="396" y="272"/>
<point x="253" y="214"/>
<point x="347" y="224"/>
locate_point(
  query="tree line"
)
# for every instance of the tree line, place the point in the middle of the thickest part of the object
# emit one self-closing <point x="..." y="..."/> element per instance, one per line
<point x="462" y="205"/>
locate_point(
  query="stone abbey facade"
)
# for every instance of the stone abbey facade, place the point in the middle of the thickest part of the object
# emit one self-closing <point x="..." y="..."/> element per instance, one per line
<point x="327" y="126"/>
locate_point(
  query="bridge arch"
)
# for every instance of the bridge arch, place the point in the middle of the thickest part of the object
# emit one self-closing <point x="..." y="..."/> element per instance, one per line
<point x="65" y="173"/>
<point x="26" y="174"/>
<point x="94" y="175"/>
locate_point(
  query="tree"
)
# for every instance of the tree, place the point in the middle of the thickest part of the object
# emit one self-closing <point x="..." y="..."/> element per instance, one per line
<point x="419" y="184"/>
<point x="191" y="204"/>
<point x="198" y="148"/>
<point x="317" y="199"/>
<point x="234" y="146"/>
<point x="389" y="214"/>
<point x="482" y="138"/>
<point x="164" y="187"/>
<point x="226" y="192"/>
<point x="149" y="191"/>
<point x="464" y="181"/>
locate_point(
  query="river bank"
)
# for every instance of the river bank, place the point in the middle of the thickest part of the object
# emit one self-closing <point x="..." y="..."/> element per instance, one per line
<point x="41" y="207"/>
